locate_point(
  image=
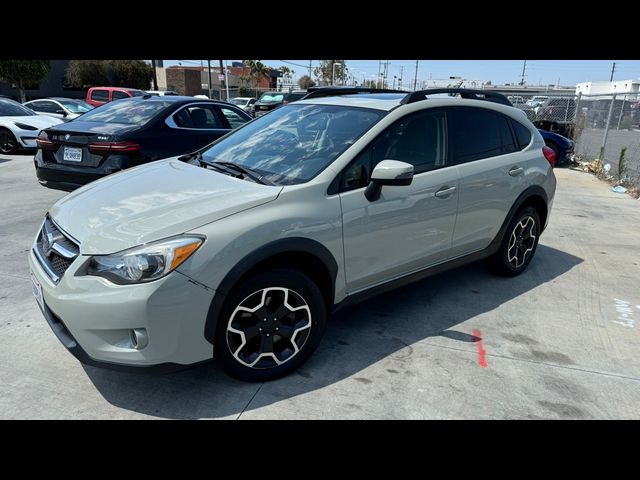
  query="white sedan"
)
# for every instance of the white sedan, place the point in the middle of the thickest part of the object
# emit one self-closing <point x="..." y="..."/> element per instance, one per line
<point x="19" y="126"/>
<point x="58" y="107"/>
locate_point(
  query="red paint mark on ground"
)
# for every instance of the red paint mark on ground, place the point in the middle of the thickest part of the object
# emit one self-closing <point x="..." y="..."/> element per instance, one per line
<point x="482" y="354"/>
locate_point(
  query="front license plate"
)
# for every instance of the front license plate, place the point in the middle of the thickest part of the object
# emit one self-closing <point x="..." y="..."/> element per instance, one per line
<point x="72" y="154"/>
<point x="37" y="290"/>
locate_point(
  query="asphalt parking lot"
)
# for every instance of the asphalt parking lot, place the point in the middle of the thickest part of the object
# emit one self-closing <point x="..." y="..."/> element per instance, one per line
<point x="560" y="341"/>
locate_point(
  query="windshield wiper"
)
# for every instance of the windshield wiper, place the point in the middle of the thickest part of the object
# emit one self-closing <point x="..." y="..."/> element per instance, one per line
<point x="256" y="177"/>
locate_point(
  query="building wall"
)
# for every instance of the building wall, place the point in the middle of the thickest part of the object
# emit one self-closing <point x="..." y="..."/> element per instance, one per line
<point x="51" y="86"/>
<point x="604" y="88"/>
<point x="161" y="76"/>
<point x="185" y="82"/>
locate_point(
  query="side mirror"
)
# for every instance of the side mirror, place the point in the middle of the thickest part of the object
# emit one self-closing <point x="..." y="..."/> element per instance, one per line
<point x="61" y="112"/>
<point x="388" y="172"/>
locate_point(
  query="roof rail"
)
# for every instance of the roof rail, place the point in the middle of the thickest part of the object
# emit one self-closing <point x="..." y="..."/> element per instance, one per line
<point x="463" y="92"/>
<point x="316" y="92"/>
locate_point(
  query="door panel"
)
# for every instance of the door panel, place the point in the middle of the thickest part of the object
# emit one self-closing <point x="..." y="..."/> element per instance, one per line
<point x="492" y="175"/>
<point x="407" y="229"/>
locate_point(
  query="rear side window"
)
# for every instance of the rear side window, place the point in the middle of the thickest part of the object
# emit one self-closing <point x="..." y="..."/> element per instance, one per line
<point x="523" y="134"/>
<point x="198" y="116"/>
<point x="117" y="95"/>
<point x="508" y="142"/>
<point x="476" y="134"/>
<point x="100" y="95"/>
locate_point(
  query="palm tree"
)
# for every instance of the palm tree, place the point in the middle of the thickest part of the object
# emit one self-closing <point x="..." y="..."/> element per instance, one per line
<point x="257" y="70"/>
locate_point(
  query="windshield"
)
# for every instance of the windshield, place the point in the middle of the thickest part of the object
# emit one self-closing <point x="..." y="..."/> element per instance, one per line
<point x="9" y="108"/>
<point x="76" y="106"/>
<point x="294" y="143"/>
<point x="272" y="97"/>
<point x="238" y="101"/>
<point x="127" y="111"/>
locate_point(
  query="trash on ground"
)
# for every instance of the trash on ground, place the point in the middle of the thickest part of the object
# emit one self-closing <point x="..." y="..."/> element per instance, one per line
<point x="619" y="189"/>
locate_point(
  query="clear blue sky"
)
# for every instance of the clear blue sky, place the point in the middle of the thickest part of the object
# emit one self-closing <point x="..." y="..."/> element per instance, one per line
<point x="542" y="72"/>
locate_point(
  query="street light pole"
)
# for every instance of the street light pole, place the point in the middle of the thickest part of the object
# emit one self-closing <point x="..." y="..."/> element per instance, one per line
<point x="209" y="70"/>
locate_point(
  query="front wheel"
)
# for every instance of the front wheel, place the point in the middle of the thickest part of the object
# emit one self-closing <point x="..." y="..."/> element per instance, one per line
<point x="270" y="324"/>
<point x="518" y="245"/>
<point x="8" y="142"/>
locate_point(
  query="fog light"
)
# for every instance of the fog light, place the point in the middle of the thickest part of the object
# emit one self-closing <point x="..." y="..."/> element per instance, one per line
<point x="139" y="338"/>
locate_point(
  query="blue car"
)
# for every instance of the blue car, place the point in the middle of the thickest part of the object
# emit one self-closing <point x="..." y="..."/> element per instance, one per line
<point x="559" y="144"/>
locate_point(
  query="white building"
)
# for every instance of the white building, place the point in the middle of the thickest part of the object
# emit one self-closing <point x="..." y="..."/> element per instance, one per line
<point x="619" y="87"/>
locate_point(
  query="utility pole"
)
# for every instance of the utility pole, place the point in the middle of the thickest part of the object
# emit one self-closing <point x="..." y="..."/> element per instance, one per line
<point x="400" y="79"/>
<point x="384" y="73"/>
<point x="415" y="77"/>
<point x="613" y="69"/>
<point x="226" y="78"/>
<point x="378" y="78"/>
<point x="222" y="82"/>
<point x="524" y="68"/>
<point x="209" y="70"/>
<point x="310" y="68"/>
<point x="155" y="77"/>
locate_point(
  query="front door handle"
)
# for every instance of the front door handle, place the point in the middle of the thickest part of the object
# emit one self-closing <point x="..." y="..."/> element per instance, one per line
<point x="515" y="171"/>
<point x="445" y="192"/>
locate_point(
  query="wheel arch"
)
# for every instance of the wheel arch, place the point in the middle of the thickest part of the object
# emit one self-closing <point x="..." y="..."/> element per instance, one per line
<point x="534" y="196"/>
<point x="309" y="256"/>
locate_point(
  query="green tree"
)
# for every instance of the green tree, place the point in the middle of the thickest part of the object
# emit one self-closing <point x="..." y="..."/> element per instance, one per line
<point x="257" y="70"/>
<point x="305" y="82"/>
<point x="115" y="73"/>
<point x="23" y="73"/>
<point x="325" y="72"/>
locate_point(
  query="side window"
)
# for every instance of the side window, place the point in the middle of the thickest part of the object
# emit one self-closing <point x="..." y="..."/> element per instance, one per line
<point x="419" y="139"/>
<point x="508" y="143"/>
<point x="36" y="106"/>
<point x="476" y="134"/>
<point x="183" y="119"/>
<point x="117" y="95"/>
<point x="523" y="134"/>
<point x="233" y="117"/>
<point x="100" y="95"/>
<point x="198" y="116"/>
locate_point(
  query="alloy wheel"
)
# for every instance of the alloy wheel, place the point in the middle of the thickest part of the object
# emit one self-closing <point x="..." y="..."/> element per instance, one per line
<point x="269" y="327"/>
<point x="521" y="242"/>
<point x="7" y="142"/>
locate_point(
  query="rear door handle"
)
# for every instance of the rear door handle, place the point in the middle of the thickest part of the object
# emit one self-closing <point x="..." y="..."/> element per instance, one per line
<point x="445" y="192"/>
<point x="515" y="171"/>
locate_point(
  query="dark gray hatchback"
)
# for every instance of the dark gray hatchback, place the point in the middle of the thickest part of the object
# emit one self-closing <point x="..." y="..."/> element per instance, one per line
<point x="271" y="100"/>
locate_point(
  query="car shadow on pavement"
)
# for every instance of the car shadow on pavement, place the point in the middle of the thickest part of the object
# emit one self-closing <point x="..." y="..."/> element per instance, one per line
<point x="356" y="338"/>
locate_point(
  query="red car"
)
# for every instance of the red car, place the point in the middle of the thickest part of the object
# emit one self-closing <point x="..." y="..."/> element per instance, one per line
<point x="97" y="96"/>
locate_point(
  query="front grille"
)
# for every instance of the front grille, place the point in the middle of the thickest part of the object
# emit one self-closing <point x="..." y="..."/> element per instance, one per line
<point x="55" y="250"/>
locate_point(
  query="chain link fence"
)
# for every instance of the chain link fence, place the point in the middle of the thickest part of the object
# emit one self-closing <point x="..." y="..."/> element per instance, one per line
<point x="605" y="127"/>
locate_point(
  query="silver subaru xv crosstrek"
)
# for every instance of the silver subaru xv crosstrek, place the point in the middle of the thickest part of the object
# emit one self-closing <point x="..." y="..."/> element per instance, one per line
<point x="241" y="250"/>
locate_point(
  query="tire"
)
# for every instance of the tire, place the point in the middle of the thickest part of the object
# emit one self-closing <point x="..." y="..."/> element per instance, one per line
<point x="262" y="352"/>
<point x="556" y="150"/>
<point x="516" y="250"/>
<point x="8" y="142"/>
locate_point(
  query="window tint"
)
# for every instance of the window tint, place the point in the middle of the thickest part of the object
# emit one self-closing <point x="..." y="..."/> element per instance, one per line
<point x="36" y="106"/>
<point x="476" y="134"/>
<point x="508" y="143"/>
<point x="522" y="134"/>
<point x="419" y="139"/>
<point x="234" y="118"/>
<point x="128" y="111"/>
<point x="100" y="95"/>
<point x="198" y="116"/>
<point x="117" y="95"/>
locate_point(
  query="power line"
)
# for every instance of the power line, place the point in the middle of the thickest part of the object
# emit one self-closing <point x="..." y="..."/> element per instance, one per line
<point x="296" y="64"/>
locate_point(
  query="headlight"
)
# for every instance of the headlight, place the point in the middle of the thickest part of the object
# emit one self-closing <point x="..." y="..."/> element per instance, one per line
<point x="23" y="126"/>
<point x="145" y="263"/>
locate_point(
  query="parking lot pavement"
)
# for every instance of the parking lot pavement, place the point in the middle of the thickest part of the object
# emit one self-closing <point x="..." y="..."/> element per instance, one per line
<point x="559" y="341"/>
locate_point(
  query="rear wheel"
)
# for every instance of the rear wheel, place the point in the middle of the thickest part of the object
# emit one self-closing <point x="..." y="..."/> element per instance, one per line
<point x="518" y="245"/>
<point x="270" y="324"/>
<point x="8" y="142"/>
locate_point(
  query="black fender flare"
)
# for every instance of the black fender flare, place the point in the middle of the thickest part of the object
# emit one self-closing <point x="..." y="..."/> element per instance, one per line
<point x="534" y="190"/>
<point x="292" y="244"/>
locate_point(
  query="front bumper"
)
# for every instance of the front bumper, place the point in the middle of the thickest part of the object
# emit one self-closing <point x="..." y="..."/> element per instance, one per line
<point x="93" y="319"/>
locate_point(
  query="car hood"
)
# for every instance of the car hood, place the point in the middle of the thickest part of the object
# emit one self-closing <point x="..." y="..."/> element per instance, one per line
<point x="152" y="202"/>
<point x="38" y="121"/>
